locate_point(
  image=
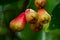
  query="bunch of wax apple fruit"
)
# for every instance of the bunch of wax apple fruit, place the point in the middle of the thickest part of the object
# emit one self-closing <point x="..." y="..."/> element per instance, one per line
<point x="37" y="20"/>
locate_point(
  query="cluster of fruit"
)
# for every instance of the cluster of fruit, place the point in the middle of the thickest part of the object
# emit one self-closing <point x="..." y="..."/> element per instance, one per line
<point x="37" y="20"/>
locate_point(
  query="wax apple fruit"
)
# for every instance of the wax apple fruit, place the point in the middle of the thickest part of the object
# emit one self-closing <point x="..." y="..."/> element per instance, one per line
<point x="43" y="17"/>
<point x="18" y="24"/>
<point x="31" y="16"/>
<point x="36" y="27"/>
<point x="40" y="3"/>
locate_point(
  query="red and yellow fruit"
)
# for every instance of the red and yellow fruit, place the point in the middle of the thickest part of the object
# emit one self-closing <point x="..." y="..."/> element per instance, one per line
<point x="43" y="17"/>
<point x="18" y="24"/>
<point x="38" y="20"/>
<point x="31" y="16"/>
<point x="36" y="27"/>
<point x="40" y="3"/>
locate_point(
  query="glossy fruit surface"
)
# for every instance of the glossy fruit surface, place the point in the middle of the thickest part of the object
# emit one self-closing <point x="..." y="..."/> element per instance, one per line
<point x="18" y="23"/>
<point x="31" y="16"/>
<point x="44" y="17"/>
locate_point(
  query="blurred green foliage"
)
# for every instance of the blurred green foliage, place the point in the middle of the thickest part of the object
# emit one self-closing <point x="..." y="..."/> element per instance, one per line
<point x="9" y="9"/>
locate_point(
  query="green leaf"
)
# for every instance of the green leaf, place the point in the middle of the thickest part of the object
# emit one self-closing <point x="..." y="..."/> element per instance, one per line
<point x="55" y="18"/>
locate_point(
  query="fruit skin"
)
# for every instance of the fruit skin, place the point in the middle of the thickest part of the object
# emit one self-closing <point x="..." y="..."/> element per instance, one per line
<point x="36" y="27"/>
<point x="40" y="3"/>
<point x="31" y="16"/>
<point x="43" y="17"/>
<point x="18" y="24"/>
